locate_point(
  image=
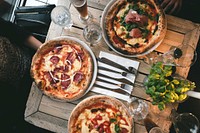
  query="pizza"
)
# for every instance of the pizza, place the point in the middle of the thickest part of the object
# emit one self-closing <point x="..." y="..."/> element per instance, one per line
<point x="135" y="26"/>
<point x="62" y="69"/>
<point x="100" y="114"/>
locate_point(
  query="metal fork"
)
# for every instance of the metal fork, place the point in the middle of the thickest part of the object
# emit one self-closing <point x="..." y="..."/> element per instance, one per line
<point x="113" y="84"/>
<point x="114" y="74"/>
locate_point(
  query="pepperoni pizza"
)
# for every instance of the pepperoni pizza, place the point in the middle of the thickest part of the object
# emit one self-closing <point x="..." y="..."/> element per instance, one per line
<point x="62" y="69"/>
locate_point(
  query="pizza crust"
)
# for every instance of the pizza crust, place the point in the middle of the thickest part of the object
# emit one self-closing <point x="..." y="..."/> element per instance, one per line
<point x="122" y="46"/>
<point x="102" y="99"/>
<point x="58" y="94"/>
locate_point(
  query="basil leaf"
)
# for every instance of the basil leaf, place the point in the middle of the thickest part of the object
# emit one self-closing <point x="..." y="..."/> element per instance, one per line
<point x="117" y="128"/>
<point x="112" y="120"/>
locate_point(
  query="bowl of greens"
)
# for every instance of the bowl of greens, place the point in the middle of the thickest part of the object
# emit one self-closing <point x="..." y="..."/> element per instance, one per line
<point x="164" y="87"/>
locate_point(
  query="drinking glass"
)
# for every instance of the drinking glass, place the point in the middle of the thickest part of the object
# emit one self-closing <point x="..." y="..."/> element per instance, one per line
<point x="81" y="6"/>
<point x="61" y="16"/>
<point x="181" y="56"/>
<point x="92" y="33"/>
<point x="184" y="122"/>
<point x="138" y="108"/>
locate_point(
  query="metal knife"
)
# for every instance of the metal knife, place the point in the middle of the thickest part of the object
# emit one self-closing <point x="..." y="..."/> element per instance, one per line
<point x="111" y="86"/>
<point x="117" y="65"/>
<point x="102" y="90"/>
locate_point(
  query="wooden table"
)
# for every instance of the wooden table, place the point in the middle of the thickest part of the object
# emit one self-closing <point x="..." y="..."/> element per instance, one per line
<point x="53" y="115"/>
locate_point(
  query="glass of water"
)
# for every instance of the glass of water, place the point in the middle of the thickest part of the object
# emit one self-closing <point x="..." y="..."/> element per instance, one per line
<point x="138" y="108"/>
<point x="92" y="33"/>
<point x="61" y="16"/>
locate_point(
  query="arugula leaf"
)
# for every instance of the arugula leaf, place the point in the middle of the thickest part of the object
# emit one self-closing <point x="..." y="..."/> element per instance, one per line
<point x="130" y="26"/>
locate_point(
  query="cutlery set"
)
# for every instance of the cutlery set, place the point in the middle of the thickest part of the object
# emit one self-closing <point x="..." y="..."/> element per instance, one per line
<point x="113" y="77"/>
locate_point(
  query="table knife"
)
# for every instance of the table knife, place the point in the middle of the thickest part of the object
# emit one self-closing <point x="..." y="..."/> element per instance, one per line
<point x="117" y="65"/>
<point x="111" y="86"/>
<point x="103" y="91"/>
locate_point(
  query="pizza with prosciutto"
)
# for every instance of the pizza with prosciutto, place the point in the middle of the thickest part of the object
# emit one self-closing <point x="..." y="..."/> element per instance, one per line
<point x="62" y="69"/>
<point x="135" y="26"/>
<point x="100" y="114"/>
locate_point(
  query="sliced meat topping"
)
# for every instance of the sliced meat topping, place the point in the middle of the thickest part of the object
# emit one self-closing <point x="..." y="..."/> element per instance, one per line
<point x="80" y="56"/>
<point x="65" y="84"/>
<point x="135" y="33"/>
<point x="134" y="17"/>
<point x="54" y="59"/>
<point x="70" y="58"/>
<point x="65" y="77"/>
<point x="65" y="81"/>
<point x="78" y="77"/>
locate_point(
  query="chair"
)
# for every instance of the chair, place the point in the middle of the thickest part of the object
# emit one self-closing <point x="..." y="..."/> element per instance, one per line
<point x="35" y="19"/>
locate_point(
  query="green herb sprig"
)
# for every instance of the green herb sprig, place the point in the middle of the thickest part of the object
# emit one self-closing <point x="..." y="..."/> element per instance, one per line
<point x="164" y="88"/>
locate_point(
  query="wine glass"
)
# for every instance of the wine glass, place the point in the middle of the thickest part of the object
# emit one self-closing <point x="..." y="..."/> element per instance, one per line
<point x="139" y="110"/>
<point x="184" y="122"/>
<point x="81" y="6"/>
<point x="92" y="33"/>
<point x="181" y="56"/>
<point x="61" y="16"/>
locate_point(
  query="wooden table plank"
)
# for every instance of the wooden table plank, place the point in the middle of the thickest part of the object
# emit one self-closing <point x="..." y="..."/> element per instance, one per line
<point x="53" y="115"/>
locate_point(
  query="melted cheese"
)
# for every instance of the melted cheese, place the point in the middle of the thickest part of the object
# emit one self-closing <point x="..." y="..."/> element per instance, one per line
<point x="86" y="117"/>
<point x="84" y="128"/>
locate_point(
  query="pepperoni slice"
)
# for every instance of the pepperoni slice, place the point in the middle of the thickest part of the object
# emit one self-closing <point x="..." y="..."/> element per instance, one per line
<point x="65" y="77"/>
<point x="78" y="77"/>
<point x="65" y="68"/>
<point x="48" y="76"/>
<point x="61" y="69"/>
<point x="65" y="84"/>
<point x="65" y="81"/>
<point x="80" y="55"/>
<point x="70" y="57"/>
<point x="54" y="59"/>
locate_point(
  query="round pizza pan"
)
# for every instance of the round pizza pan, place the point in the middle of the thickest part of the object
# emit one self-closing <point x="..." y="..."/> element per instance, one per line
<point x="106" y="37"/>
<point x="94" y="65"/>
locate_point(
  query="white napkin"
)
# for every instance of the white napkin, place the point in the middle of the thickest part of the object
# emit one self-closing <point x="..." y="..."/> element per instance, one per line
<point x="120" y="60"/>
